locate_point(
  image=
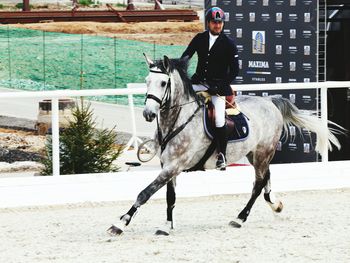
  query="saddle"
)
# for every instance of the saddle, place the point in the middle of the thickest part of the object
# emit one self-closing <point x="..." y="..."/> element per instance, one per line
<point x="237" y="127"/>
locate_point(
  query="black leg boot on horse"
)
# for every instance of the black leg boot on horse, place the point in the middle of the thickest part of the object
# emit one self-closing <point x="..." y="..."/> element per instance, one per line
<point x="221" y="141"/>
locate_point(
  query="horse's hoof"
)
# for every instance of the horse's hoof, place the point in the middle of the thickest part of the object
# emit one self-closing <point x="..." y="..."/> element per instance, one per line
<point x="235" y="224"/>
<point x="161" y="233"/>
<point x="279" y="207"/>
<point x="114" y="231"/>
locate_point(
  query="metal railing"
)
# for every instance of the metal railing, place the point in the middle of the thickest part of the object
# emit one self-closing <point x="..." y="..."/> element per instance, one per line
<point x="140" y="88"/>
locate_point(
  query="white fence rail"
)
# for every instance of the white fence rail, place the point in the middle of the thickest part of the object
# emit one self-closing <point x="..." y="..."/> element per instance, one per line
<point x="138" y="88"/>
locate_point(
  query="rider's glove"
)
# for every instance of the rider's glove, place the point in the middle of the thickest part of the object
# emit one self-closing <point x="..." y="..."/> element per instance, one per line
<point x="212" y="88"/>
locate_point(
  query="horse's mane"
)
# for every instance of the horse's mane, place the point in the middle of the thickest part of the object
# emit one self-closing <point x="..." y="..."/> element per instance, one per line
<point x="181" y="65"/>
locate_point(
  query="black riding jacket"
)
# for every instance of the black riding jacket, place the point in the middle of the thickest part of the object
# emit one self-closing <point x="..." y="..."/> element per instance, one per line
<point x="217" y="66"/>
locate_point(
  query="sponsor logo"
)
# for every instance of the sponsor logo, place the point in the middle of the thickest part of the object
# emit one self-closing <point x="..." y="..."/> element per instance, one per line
<point x="306" y="147"/>
<point x="278" y="65"/>
<point x="292" y="50"/>
<point x="239" y="16"/>
<point x="307" y="66"/>
<point x="292" y="146"/>
<point x="278" y="33"/>
<point x="292" y="33"/>
<point x="259" y="79"/>
<point x="307" y="17"/>
<point x="278" y="17"/>
<point x="278" y="49"/>
<point x="292" y="97"/>
<point x="279" y="146"/>
<point x="240" y="48"/>
<point x="252" y="2"/>
<point x="307" y="2"/>
<point x="227" y="16"/>
<point x="307" y="33"/>
<point x="292" y="66"/>
<point x="293" y="17"/>
<point x="258" y="64"/>
<point x="240" y="63"/>
<point x="239" y="32"/>
<point x="258" y="44"/>
<point x="265" y="17"/>
<point x="252" y="17"/>
<point x="306" y="50"/>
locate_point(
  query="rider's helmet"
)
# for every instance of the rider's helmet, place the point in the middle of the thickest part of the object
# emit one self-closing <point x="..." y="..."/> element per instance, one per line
<point x="215" y="14"/>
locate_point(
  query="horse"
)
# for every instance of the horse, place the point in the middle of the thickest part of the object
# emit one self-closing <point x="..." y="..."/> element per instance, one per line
<point x="183" y="142"/>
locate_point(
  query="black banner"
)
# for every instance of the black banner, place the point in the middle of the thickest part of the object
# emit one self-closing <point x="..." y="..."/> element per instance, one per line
<point x="276" y="39"/>
<point x="277" y="43"/>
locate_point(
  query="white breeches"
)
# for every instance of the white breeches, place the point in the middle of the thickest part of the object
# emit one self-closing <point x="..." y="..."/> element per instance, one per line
<point x="219" y="105"/>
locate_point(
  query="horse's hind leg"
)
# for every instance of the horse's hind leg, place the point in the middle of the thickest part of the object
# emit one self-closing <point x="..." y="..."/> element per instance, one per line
<point x="276" y="205"/>
<point x="260" y="160"/>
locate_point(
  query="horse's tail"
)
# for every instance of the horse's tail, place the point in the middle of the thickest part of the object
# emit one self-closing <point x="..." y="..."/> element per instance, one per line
<point x="302" y="119"/>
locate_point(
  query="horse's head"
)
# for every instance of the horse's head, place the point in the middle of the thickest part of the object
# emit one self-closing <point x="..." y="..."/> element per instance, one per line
<point x="167" y="85"/>
<point x="158" y="87"/>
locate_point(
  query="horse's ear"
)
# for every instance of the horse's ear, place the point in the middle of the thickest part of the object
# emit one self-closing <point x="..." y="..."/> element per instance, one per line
<point x="185" y="62"/>
<point x="166" y="64"/>
<point x="148" y="60"/>
<point x="185" y="58"/>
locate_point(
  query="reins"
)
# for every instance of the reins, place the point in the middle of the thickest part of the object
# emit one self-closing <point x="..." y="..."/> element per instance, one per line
<point x="172" y="133"/>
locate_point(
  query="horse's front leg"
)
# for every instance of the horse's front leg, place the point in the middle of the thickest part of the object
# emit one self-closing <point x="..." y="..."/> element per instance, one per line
<point x="164" y="177"/>
<point x="170" y="199"/>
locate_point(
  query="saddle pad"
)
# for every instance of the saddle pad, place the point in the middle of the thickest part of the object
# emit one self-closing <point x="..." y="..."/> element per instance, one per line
<point x="237" y="127"/>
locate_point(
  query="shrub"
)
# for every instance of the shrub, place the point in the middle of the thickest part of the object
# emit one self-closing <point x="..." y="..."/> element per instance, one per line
<point x="85" y="2"/>
<point x="83" y="148"/>
<point x="20" y="6"/>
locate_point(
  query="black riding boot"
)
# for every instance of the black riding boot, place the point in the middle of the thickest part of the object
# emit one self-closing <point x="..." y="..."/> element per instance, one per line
<point x="221" y="141"/>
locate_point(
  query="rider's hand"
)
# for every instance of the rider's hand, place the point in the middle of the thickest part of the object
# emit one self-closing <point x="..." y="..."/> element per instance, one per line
<point x="212" y="88"/>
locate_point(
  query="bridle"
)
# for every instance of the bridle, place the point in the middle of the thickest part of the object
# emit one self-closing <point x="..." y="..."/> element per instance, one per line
<point x="165" y="101"/>
<point x="165" y="105"/>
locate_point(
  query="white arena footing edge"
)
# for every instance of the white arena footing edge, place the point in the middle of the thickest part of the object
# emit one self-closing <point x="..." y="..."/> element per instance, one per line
<point x="68" y="189"/>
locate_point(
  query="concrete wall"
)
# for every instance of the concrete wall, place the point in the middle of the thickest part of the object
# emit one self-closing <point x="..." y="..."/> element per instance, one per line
<point x="37" y="191"/>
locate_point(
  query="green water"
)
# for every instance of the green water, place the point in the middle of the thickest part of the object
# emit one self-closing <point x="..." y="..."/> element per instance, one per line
<point x="37" y="60"/>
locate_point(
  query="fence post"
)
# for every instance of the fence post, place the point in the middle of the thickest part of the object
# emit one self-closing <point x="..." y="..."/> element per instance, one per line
<point x="324" y="118"/>
<point x="55" y="137"/>
<point x="9" y="56"/>
<point x="134" y="139"/>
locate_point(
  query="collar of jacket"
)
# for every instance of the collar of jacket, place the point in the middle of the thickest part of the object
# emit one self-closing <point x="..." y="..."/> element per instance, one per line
<point x="221" y="35"/>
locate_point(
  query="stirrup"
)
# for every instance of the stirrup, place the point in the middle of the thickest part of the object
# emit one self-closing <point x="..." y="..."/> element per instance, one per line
<point x="221" y="162"/>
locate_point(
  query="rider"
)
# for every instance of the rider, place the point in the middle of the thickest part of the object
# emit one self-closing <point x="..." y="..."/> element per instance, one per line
<point x="217" y="67"/>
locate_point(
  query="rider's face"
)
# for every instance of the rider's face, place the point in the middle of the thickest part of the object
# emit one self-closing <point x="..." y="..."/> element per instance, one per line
<point x="215" y="27"/>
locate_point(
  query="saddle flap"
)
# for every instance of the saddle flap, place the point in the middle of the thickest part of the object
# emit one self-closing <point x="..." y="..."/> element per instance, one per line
<point x="236" y="124"/>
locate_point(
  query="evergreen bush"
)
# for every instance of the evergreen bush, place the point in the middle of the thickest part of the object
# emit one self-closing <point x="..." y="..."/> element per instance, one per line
<point x="85" y="2"/>
<point x="83" y="147"/>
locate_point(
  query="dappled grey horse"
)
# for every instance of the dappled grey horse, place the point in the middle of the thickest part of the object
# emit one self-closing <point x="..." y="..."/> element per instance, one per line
<point x="183" y="141"/>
